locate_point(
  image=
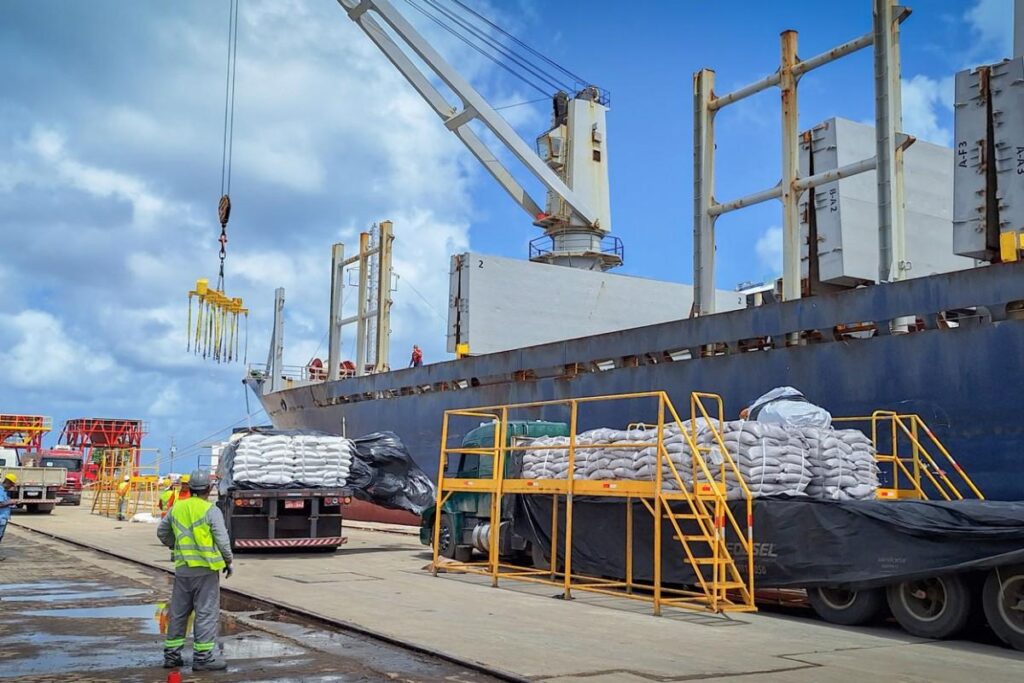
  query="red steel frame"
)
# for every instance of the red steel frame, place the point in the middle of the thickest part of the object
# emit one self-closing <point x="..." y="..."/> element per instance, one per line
<point x="90" y="433"/>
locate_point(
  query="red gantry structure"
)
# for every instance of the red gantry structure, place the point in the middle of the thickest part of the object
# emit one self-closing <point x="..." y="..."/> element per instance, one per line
<point x="91" y="434"/>
<point x="24" y="431"/>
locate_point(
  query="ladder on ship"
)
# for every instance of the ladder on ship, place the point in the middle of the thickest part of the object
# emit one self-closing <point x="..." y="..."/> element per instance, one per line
<point x="690" y="504"/>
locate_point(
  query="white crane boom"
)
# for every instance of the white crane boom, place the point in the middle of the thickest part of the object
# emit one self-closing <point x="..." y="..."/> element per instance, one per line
<point x="577" y="215"/>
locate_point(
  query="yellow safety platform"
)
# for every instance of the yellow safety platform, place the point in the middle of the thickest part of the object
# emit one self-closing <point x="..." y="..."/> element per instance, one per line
<point x="705" y="531"/>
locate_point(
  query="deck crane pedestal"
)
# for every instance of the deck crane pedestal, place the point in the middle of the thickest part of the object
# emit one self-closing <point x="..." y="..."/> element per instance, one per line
<point x="570" y="160"/>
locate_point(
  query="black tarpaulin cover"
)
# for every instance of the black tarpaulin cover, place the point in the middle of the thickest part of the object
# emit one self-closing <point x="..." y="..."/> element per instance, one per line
<point x="799" y="542"/>
<point x="382" y="471"/>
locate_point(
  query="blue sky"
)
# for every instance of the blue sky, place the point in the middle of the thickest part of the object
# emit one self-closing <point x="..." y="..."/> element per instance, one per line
<point x="110" y="169"/>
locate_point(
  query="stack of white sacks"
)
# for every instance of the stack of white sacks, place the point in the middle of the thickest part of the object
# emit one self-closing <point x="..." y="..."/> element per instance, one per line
<point x="843" y="464"/>
<point x="280" y="460"/>
<point x="772" y="458"/>
<point x="629" y="459"/>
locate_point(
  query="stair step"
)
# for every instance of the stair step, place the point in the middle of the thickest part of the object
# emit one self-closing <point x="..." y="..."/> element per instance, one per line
<point x="712" y="560"/>
<point x="696" y="537"/>
<point x="689" y="516"/>
<point x="731" y="584"/>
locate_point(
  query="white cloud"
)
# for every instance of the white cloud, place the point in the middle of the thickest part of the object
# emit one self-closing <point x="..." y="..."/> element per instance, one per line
<point x="167" y="402"/>
<point x="991" y="21"/>
<point x="926" y="102"/>
<point x="41" y="353"/>
<point x="102" y="183"/>
<point x="769" y="249"/>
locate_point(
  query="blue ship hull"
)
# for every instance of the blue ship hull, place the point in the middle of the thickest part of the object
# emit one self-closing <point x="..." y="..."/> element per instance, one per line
<point x="966" y="382"/>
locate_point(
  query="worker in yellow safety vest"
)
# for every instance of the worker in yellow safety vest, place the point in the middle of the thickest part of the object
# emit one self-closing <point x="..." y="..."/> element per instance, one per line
<point x="194" y="529"/>
<point x="123" y="490"/>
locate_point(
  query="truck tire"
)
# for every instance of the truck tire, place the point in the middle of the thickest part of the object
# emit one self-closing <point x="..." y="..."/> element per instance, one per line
<point x="1002" y="598"/>
<point x="936" y="607"/>
<point x="446" y="544"/>
<point x="847" y="607"/>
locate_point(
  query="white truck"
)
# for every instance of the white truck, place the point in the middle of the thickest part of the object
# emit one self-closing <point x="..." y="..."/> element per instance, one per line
<point x="38" y="488"/>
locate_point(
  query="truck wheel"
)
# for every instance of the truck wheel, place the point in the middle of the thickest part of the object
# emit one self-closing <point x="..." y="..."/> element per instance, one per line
<point x="936" y="607"/>
<point x="1003" y="600"/>
<point x="446" y="543"/>
<point x="847" y="607"/>
<point x="45" y="509"/>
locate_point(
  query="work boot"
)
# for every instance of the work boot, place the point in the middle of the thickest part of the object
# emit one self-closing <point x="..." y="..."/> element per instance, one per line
<point x="208" y="663"/>
<point x="173" y="660"/>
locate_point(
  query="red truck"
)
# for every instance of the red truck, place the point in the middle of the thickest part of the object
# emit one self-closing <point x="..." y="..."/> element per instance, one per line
<point x="68" y="458"/>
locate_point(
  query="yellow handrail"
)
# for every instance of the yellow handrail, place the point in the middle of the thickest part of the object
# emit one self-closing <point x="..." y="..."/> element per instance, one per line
<point x="920" y="465"/>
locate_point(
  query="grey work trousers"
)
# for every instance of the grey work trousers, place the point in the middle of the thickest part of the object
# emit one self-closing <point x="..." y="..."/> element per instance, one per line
<point x="200" y="594"/>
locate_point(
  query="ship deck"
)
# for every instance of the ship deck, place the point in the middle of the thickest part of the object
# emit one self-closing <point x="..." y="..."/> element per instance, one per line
<point x="378" y="584"/>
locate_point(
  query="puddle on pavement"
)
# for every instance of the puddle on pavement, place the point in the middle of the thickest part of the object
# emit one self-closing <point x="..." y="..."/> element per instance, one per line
<point x="111" y="594"/>
<point x="144" y="613"/>
<point x="42" y="586"/>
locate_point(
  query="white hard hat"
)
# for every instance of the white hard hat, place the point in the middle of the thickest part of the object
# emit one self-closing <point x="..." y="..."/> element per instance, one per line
<point x="127" y="477"/>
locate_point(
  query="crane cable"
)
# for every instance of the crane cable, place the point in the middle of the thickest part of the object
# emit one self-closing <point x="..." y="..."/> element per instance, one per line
<point x="536" y="75"/>
<point x="577" y="79"/>
<point x="224" y="207"/>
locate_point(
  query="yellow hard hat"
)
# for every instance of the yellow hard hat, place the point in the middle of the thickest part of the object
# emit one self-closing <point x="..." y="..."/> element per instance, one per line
<point x="184" y="479"/>
<point x="12" y="477"/>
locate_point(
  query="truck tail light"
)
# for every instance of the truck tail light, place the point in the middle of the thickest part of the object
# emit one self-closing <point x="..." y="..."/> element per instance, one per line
<point x="248" y="502"/>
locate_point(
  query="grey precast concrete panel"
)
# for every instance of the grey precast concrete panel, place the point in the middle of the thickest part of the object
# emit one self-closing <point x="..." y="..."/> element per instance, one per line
<point x="847" y="213"/>
<point x="506" y="303"/>
<point x="1007" y="87"/>
<point x="970" y="192"/>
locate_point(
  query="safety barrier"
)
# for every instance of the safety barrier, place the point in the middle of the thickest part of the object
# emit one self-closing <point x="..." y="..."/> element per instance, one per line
<point x="693" y="509"/>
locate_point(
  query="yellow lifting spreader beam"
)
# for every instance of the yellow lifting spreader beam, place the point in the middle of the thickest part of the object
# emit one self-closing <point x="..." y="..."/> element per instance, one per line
<point x="213" y="331"/>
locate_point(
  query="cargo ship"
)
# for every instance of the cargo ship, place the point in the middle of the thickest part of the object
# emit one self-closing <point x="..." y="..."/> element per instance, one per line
<point x="947" y="346"/>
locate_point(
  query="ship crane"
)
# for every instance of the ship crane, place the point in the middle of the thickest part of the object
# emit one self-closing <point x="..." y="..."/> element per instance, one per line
<point x="570" y="159"/>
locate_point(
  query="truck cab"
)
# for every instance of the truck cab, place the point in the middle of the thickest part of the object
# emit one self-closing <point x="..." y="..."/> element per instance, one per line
<point x="72" y="461"/>
<point x="465" y="517"/>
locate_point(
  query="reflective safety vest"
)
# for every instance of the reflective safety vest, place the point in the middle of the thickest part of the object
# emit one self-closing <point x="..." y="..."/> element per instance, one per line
<point x="166" y="496"/>
<point x="122" y="489"/>
<point x="193" y="537"/>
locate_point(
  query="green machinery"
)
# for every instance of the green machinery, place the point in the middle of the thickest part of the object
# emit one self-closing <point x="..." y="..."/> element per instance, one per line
<point x="465" y="517"/>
